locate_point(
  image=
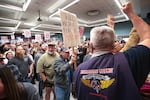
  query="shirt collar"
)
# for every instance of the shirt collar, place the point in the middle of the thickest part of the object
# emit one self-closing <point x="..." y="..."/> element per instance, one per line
<point x="99" y="53"/>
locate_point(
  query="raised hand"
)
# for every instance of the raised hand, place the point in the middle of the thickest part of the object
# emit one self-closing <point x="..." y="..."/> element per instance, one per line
<point x="110" y="21"/>
<point x="128" y="9"/>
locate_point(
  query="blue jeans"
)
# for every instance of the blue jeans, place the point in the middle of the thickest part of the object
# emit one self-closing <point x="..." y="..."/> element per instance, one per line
<point x="62" y="93"/>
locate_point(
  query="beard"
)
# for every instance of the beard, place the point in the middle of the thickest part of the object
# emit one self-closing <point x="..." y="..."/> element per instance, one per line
<point x="50" y="53"/>
<point x="19" y="55"/>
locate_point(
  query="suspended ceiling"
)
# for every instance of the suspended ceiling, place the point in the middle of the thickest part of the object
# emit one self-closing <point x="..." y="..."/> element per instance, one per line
<point x="20" y="15"/>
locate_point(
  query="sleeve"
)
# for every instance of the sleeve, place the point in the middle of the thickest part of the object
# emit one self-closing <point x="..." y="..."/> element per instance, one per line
<point x="139" y="61"/>
<point x="40" y="64"/>
<point x="10" y="62"/>
<point x="30" y="61"/>
<point x="31" y="91"/>
<point x="60" y="67"/>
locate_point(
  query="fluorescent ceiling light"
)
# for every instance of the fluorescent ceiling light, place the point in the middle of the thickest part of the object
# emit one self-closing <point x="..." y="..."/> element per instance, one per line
<point x="11" y="7"/>
<point x="6" y="19"/>
<point x="46" y="26"/>
<point x="54" y="14"/>
<point x="120" y="6"/>
<point x="9" y="28"/>
<point x="56" y="5"/>
<point x="28" y="24"/>
<point x="70" y="4"/>
<point x="18" y="25"/>
<point x="26" y="4"/>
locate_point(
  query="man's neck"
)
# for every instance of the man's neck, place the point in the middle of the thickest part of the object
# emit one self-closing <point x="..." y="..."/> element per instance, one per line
<point x="98" y="53"/>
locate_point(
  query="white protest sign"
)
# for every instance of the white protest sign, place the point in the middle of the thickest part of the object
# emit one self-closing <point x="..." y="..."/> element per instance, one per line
<point x="27" y="34"/>
<point x="46" y="35"/>
<point x="70" y="30"/>
<point x="13" y="37"/>
<point x="4" y="39"/>
<point x="38" y="37"/>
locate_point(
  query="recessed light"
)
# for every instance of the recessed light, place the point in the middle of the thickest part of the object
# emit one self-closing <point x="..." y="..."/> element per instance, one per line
<point x="93" y="12"/>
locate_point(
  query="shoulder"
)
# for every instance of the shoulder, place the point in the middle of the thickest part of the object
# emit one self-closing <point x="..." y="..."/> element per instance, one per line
<point x="57" y="54"/>
<point x="31" y="91"/>
<point x="14" y="61"/>
<point x="58" y="60"/>
<point x="14" y="69"/>
<point x="137" y="50"/>
<point x="38" y="54"/>
<point x="43" y="56"/>
<point x="137" y="55"/>
<point x="28" y="86"/>
<point x="139" y="61"/>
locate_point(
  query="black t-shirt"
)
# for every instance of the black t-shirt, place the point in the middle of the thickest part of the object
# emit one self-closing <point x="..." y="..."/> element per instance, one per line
<point x="139" y="61"/>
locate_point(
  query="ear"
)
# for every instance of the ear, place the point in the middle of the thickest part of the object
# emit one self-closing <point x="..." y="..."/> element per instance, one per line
<point x="91" y="47"/>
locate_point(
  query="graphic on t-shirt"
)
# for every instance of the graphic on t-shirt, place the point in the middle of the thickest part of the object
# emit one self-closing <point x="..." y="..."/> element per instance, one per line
<point x="97" y="78"/>
<point x="97" y="81"/>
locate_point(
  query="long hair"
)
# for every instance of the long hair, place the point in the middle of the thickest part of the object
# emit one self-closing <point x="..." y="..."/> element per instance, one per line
<point x="12" y="89"/>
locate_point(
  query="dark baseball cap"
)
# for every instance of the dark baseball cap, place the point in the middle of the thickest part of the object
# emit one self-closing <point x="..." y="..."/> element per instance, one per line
<point x="64" y="50"/>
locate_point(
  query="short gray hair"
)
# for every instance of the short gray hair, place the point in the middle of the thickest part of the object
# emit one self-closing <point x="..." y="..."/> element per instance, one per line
<point x="102" y="38"/>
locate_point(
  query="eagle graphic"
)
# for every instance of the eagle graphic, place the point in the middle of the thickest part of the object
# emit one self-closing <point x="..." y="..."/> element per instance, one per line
<point x="97" y="84"/>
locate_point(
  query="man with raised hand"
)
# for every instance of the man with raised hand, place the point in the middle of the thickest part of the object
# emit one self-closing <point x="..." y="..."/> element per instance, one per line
<point x="119" y="76"/>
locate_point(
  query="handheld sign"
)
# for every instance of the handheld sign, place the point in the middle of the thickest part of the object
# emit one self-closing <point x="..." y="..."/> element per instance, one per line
<point x="46" y="35"/>
<point x="70" y="30"/>
<point x="4" y="39"/>
<point x="27" y="33"/>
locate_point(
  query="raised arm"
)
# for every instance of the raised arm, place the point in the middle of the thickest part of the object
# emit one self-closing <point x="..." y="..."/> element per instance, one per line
<point x="143" y="29"/>
<point x="110" y="21"/>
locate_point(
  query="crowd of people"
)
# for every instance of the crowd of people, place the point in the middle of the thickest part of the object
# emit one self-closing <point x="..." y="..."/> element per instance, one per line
<point x="101" y="68"/>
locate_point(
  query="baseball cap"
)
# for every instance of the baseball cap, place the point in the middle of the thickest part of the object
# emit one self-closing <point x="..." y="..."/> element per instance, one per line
<point x="51" y="44"/>
<point x="64" y="50"/>
<point x="35" y="41"/>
